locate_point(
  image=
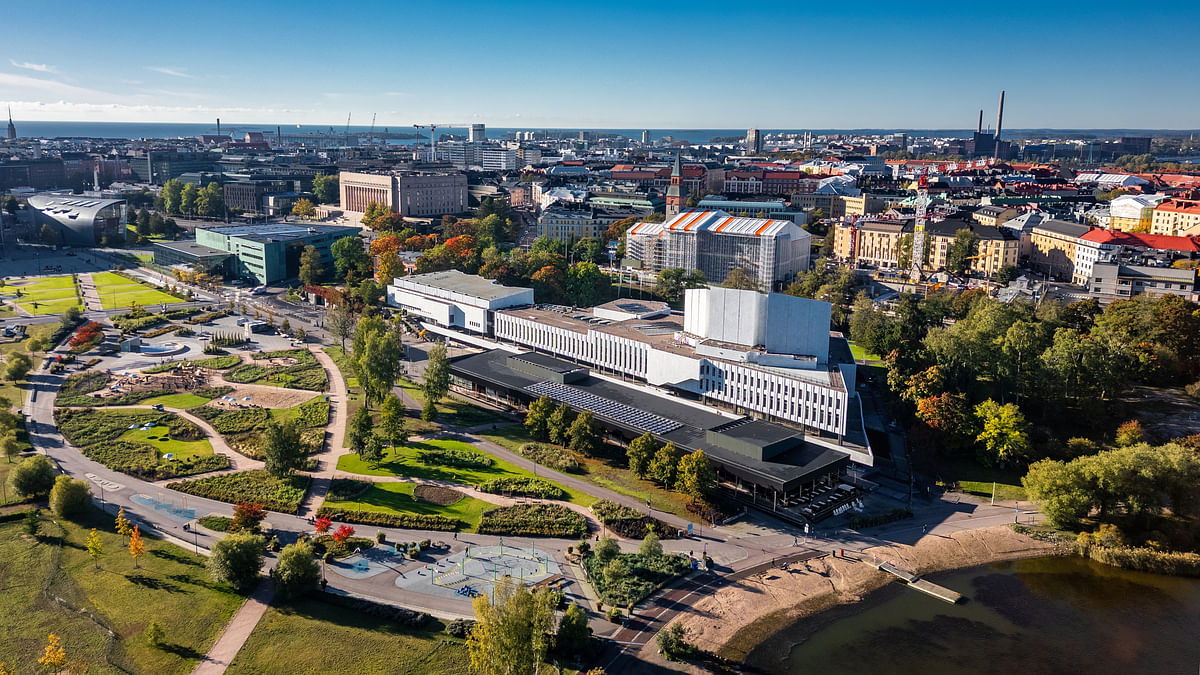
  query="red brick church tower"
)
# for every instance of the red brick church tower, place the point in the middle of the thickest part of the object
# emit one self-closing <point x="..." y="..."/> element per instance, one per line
<point x="676" y="193"/>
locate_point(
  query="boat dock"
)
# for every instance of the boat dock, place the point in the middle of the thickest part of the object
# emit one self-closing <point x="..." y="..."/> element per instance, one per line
<point x="919" y="584"/>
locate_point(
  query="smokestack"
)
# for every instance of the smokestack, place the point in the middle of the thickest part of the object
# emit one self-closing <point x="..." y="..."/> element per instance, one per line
<point x="96" y="175"/>
<point x="278" y="137"/>
<point x="218" y="126"/>
<point x="979" y="127"/>
<point x="1000" y="116"/>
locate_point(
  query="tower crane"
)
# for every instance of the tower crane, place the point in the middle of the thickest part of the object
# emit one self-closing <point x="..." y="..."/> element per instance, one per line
<point x="433" y="128"/>
<point x="348" y="122"/>
<point x="372" y="123"/>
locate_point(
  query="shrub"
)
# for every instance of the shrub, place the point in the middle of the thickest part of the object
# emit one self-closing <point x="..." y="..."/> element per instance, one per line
<point x="401" y="615"/>
<point x="142" y="461"/>
<point x="85" y="427"/>
<point x="630" y="523"/>
<point x="523" y="486"/>
<point x="628" y="578"/>
<point x="410" y="521"/>
<point x="216" y="523"/>
<point x="552" y="456"/>
<point x="69" y="496"/>
<point x="276" y="494"/>
<point x="236" y="560"/>
<point x="89" y="335"/>
<point x="534" y="520"/>
<point x="463" y="459"/>
<point x="297" y="573"/>
<point x="1141" y="559"/>
<point x="247" y="517"/>
<point x="673" y="644"/>
<point x="81" y="384"/>
<point x="32" y="477"/>
<point x="460" y="628"/>
<point x="435" y="494"/>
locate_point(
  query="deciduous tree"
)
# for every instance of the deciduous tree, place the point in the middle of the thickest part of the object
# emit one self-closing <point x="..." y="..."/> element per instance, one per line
<point x="696" y="476"/>
<point x="136" y="546"/>
<point x="283" y="448"/>
<point x="512" y="632"/>
<point x="641" y="451"/>
<point x="237" y="560"/>
<point x="664" y="468"/>
<point x="537" y="419"/>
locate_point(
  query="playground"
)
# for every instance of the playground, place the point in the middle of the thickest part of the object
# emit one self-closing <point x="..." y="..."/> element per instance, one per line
<point x="475" y="571"/>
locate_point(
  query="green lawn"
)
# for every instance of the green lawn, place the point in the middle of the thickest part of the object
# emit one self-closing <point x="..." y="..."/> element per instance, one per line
<point x="398" y="498"/>
<point x="605" y="472"/>
<point x="404" y="462"/>
<point x="975" y="479"/>
<point x="861" y="354"/>
<point x="454" y="411"/>
<point x="179" y="401"/>
<point x="118" y="291"/>
<point x="44" y="295"/>
<point x="170" y="586"/>
<point x="313" y="636"/>
<point x="157" y="438"/>
<point x="41" y="330"/>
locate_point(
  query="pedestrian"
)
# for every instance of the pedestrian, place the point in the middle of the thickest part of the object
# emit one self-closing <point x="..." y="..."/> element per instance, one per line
<point x="924" y="528"/>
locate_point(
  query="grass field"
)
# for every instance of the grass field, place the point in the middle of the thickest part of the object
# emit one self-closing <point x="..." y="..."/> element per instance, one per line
<point x="404" y="462"/>
<point x="157" y="438"/>
<point x="975" y="479"/>
<point x="861" y="354"/>
<point x="606" y="472"/>
<point x="170" y="587"/>
<point x="180" y="401"/>
<point x="45" y="295"/>
<point x="313" y="636"/>
<point x="116" y="291"/>
<point x="398" y="498"/>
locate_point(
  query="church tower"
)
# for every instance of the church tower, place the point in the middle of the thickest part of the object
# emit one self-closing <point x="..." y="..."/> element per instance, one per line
<point x="676" y="193"/>
<point x="12" y="128"/>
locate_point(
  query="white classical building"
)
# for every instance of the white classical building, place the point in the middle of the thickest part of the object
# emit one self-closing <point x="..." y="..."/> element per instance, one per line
<point x="455" y="300"/>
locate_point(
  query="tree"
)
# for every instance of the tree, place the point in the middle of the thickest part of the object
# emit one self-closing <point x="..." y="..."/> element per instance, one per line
<point x="342" y="535"/>
<point x="437" y="375"/>
<point x="696" y="476"/>
<point x="673" y="644"/>
<point x="1129" y="433"/>
<point x="664" y="468"/>
<point x="187" y="198"/>
<point x="1060" y="492"/>
<point x="372" y="452"/>
<point x="50" y="235"/>
<point x="237" y="560"/>
<point x="340" y="323"/>
<point x="537" y="419"/>
<point x="325" y="188"/>
<point x="53" y="658"/>
<point x="388" y="267"/>
<point x="964" y="247"/>
<point x="297" y="572"/>
<point x="136" y="545"/>
<point x="33" y="477"/>
<point x="359" y="431"/>
<point x="10" y="445"/>
<point x="949" y="414"/>
<point x="651" y="547"/>
<point x="606" y="549"/>
<point x="1006" y="275"/>
<point x="573" y="631"/>
<point x="391" y="421"/>
<point x="211" y="202"/>
<point x="742" y="279"/>
<point x="247" y="517"/>
<point x="350" y="257"/>
<point x="172" y="195"/>
<point x="559" y="425"/>
<point x="376" y="361"/>
<point x="512" y="632"/>
<point x="95" y="547"/>
<point x="582" y="434"/>
<point x="303" y="208"/>
<point x="321" y="525"/>
<point x="311" y="268"/>
<point x="429" y="411"/>
<point x="123" y="525"/>
<point x="69" y="497"/>
<point x="587" y="285"/>
<point x="1003" y="436"/>
<point x="283" y="448"/>
<point x="641" y="451"/>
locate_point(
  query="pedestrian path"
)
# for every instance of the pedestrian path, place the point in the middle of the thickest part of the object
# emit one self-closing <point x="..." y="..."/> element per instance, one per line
<point x="237" y="631"/>
<point x="91" y="297"/>
<point x="339" y="403"/>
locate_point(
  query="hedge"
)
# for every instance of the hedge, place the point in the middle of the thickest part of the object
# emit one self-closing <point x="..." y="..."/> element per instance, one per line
<point x="462" y="459"/>
<point x="551" y="456"/>
<point x="523" y="486"/>
<point x="534" y="520"/>
<point x="408" y="521"/>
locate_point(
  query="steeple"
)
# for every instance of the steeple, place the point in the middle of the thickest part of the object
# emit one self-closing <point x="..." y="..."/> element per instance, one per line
<point x="676" y="193"/>
<point x="12" y="128"/>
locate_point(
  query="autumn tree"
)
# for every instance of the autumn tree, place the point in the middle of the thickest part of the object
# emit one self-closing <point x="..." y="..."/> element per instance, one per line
<point x="304" y="208"/>
<point x="696" y="475"/>
<point x="1003" y="435"/>
<point x="136" y="546"/>
<point x="512" y="632"/>
<point x="95" y="547"/>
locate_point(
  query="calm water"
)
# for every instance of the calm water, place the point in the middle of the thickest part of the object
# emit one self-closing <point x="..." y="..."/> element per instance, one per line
<point x="1031" y="617"/>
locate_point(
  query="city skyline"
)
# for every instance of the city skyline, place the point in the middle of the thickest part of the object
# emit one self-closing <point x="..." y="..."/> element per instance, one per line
<point x="540" y="65"/>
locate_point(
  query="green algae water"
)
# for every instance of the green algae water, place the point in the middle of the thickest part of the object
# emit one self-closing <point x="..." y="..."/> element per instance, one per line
<point x="1042" y="616"/>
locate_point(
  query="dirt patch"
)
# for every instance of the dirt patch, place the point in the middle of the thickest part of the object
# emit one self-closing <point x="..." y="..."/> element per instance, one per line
<point x="1165" y="414"/>
<point x="434" y="494"/>
<point x="738" y="617"/>
<point x="262" y="396"/>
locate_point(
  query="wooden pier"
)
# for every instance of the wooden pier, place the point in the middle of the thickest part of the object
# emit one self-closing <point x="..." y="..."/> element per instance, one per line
<point x="926" y="587"/>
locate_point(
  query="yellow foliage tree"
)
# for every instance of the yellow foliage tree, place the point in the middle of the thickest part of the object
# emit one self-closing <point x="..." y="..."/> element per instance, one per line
<point x="136" y="546"/>
<point x="123" y="527"/>
<point x="54" y="658"/>
<point x="95" y="547"/>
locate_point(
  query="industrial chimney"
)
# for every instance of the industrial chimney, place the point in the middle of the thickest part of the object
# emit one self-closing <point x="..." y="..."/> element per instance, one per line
<point x="218" y="126"/>
<point x="1000" y="116"/>
<point x="979" y="127"/>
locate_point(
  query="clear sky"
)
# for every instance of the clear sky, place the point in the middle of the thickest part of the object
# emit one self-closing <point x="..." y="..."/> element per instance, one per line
<point x="698" y="64"/>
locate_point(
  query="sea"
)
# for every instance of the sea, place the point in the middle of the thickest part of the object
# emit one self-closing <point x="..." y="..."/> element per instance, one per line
<point x="135" y="130"/>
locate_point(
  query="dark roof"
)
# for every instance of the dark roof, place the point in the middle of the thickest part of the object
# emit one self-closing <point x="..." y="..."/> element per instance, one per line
<point x="1063" y="227"/>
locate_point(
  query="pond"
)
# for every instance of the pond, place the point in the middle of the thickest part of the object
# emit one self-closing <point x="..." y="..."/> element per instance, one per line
<point x="1034" y="617"/>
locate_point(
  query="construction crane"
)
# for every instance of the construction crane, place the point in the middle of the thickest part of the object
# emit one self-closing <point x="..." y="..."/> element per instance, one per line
<point x="372" y="123"/>
<point x="918" y="247"/>
<point x="433" y="128"/>
<point x="348" y="122"/>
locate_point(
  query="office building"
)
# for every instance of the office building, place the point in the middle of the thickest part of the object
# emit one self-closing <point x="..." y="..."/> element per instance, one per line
<point x="249" y="196"/>
<point x="265" y="252"/>
<point x="499" y="159"/>
<point x="477" y="134"/>
<point x="452" y="299"/>
<point x="40" y="173"/>
<point x="645" y="135"/>
<point x="754" y="143"/>
<point x="158" y="166"/>
<point x="81" y="221"/>
<point x="1176" y="218"/>
<point x="411" y="194"/>
<point x="714" y="242"/>
<point x="1113" y="280"/>
<point x="572" y="224"/>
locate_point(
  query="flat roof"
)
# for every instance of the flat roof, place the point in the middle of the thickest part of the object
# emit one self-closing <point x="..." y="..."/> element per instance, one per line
<point x="190" y="247"/>
<point x="455" y="281"/>
<point x="278" y="231"/>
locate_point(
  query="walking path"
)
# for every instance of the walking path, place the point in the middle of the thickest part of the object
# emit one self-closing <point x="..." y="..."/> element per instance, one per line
<point x="339" y="402"/>
<point x="91" y="296"/>
<point x="237" y="631"/>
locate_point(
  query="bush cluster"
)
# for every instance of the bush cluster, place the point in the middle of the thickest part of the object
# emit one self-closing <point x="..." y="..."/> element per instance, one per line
<point x="630" y="523"/>
<point x="636" y="575"/>
<point x="141" y="460"/>
<point x="205" y="318"/>
<point x="250" y="487"/>
<point x="462" y="459"/>
<point x="1142" y="559"/>
<point x="132" y="324"/>
<point x="551" y="456"/>
<point x="534" y="520"/>
<point x="85" y="427"/>
<point x="859" y="522"/>
<point x="523" y="486"/>
<point x="411" y="521"/>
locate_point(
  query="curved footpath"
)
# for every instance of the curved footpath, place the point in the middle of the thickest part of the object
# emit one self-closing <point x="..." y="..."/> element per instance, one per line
<point x="734" y="549"/>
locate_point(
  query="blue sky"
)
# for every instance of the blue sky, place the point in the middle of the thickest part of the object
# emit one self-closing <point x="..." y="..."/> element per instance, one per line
<point x="698" y="64"/>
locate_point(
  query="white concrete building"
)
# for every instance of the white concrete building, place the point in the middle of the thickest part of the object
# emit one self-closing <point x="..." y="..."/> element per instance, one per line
<point x="452" y="299"/>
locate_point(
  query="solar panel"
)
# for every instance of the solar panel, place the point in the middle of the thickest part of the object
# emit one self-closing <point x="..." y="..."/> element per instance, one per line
<point x="619" y="412"/>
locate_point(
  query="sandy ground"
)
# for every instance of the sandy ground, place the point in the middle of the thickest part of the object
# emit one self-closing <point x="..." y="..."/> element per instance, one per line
<point x="264" y="396"/>
<point x="736" y="618"/>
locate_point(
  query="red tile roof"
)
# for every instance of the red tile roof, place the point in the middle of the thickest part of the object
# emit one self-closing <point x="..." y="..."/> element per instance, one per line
<point x="1179" y="206"/>
<point x="1159" y="242"/>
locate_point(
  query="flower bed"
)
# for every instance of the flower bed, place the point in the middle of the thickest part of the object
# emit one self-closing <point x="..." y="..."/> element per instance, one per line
<point x="552" y="456"/>
<point x="85" y="427"/>
<point x="409" y="521"/>
<point x="435" y="494"/>
<point x="630" y="523"/>
<point x="142" y="461"/>
<point x="217" y="363"/>
<point x="462" y="459"/>
<point x="250" y="487"/>
<point x="523" y="486"/>
<point x="534" y="520"/>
